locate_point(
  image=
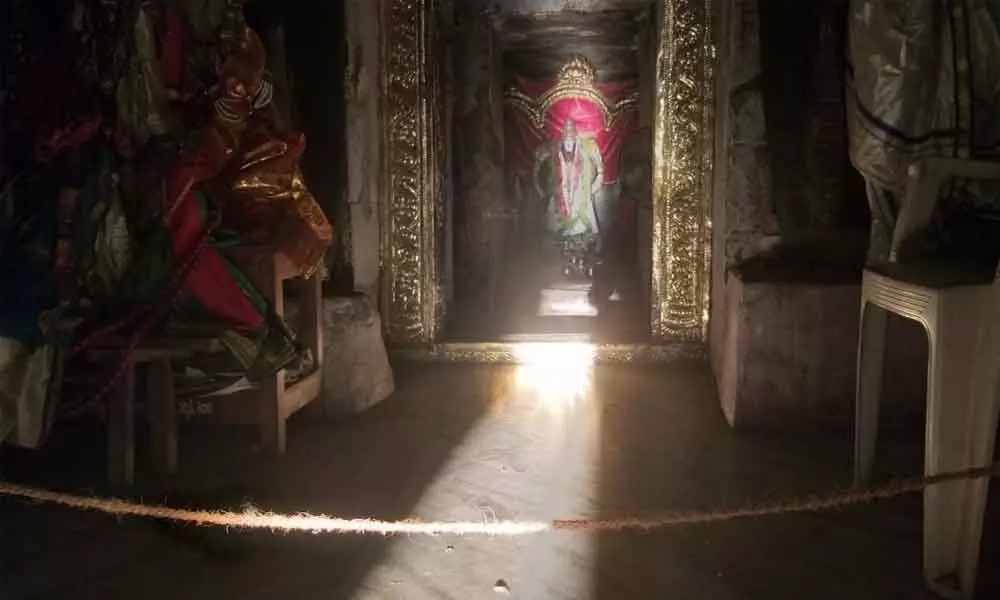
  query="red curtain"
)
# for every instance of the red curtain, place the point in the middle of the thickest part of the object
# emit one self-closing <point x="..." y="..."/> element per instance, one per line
<point x="523" y="136"/>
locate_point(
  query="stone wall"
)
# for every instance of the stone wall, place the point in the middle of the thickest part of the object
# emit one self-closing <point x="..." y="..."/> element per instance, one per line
<point x="305" y="55"/>
<point x="338" y="76"/>
<point x="314" y="35"/>
<point x="789" y="356"/>
<point x="789" y="222"/>
<point x="814" y="187"/>
<point x="364" y="138"/>
<point x="478" y="147"/>
<point x="744" y="223"/>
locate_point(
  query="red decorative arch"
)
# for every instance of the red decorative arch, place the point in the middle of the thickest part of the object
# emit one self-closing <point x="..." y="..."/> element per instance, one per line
<point x="536" y="111"/>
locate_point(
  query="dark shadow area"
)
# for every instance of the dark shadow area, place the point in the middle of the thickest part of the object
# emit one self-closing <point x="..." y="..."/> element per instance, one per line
<point x="378" y="464"/>
<point x="664" y="449"/>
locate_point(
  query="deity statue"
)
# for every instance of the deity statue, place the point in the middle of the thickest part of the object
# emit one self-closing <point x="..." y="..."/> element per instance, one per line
<point x="244" y="173"/>
<point x="569" y="174"/>
<point x="129" y="195"/>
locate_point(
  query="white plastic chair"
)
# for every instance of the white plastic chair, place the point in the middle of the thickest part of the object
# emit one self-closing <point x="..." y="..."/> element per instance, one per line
<point x="959" y="307"/>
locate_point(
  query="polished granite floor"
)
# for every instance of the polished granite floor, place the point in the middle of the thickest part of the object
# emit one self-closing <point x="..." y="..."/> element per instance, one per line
<point x="479" y="442"/>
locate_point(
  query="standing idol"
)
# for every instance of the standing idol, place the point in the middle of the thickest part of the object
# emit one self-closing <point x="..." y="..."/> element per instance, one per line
<point x="569" y="173"/>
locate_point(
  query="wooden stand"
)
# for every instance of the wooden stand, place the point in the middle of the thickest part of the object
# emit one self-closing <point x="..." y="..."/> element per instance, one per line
<point x="268" y="405"/>
<point x="152" y="360"/>
<point x="273" y="402"/>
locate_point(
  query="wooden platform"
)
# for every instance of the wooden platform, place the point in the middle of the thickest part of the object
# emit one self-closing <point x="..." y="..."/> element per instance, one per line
<point x="267" y="405"/>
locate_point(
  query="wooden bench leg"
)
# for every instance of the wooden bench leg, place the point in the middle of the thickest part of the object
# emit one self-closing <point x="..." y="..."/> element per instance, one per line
<point x="310" y="328"/>
<point x="272" y="417"/>
<point x="271" y="422"/>
<point x="121" y="430"/>
<point x="162" y="416"/>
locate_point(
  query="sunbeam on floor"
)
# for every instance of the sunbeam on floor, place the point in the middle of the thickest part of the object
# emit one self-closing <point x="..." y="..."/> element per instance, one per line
<point x="534" y="457"/>
<point x="557" y="375"/>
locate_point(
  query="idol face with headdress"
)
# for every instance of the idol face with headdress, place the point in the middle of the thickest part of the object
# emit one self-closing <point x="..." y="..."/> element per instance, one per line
<point x="569" y="136"/>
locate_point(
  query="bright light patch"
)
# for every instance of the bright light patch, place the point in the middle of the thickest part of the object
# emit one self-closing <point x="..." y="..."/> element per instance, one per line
<point x="538" y="434"/>
<point x="559" y="374"/>
<point x="573" y="301"/>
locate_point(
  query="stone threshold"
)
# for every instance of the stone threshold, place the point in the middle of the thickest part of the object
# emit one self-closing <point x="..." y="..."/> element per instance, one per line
<point x="508" y="352"/>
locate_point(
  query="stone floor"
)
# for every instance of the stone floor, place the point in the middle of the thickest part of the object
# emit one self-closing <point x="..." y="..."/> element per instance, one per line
<point x="474" y="442"/>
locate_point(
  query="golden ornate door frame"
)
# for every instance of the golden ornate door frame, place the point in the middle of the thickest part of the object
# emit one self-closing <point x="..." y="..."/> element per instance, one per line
<point x="412" y="211"/>
<point x="412" y="229"/>
<point x="683" y="148"/>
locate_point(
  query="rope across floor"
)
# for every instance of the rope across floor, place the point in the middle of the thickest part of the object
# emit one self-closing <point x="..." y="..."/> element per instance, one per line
<point x="254" y="519"/>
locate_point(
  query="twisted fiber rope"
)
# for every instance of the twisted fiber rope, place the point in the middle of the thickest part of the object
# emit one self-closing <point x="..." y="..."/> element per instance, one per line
<point x="323" y="524"/>
<point x="816" y="503"/>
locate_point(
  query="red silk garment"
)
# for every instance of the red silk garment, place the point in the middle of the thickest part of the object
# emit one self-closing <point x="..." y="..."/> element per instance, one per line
<point x="267" y="202"/>
<point x="209" y="281"/>
<point x="524" y="137"/>
<point x="173" y="49"/>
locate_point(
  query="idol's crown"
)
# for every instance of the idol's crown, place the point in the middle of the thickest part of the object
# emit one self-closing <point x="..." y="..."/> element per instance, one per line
<point x="578" y="72"/>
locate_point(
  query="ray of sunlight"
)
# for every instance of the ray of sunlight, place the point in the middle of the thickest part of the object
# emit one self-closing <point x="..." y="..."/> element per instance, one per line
<point x="535" y="457"/>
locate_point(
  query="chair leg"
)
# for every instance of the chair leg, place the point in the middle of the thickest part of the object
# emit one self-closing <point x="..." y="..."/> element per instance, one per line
<point x="121" y="430"/>
<point x="982" y="439"/>
<point x="951" y="390"/>
<point x="871" y="358"/>
<point x="162" y="417"/>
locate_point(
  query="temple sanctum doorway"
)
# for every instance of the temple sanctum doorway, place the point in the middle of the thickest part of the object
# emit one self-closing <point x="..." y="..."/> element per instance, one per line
<point x="548" y="187"/>
<point x="548" y="174"/>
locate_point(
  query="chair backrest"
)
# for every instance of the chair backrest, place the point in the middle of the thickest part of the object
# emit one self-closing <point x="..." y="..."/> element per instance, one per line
<point x="924" y="182"/>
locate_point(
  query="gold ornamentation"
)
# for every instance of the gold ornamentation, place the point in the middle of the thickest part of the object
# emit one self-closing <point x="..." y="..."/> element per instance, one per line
<point x="578" y="73"/>
<point x="682" y="171"/>
<point x="410" y="283"/>
<point x="623" y="107"/>
<point x="576" y="79"/>
<point x="682" y="166"/>
<point x="269" y="203"/>
<point x="507" y="353"/>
